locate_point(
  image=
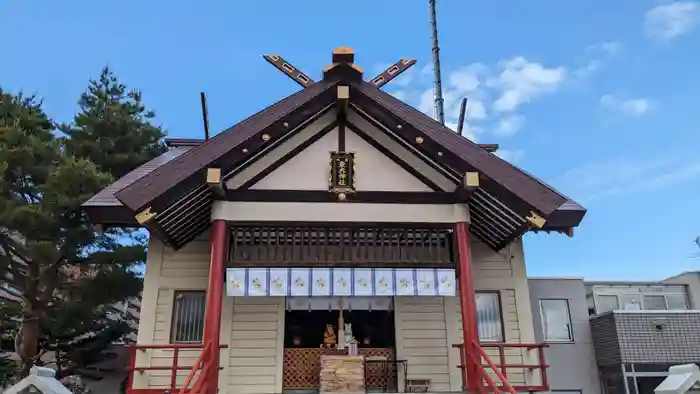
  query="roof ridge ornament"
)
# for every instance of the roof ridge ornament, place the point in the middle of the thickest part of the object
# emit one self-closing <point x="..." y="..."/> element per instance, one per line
<point x="343" y="67"/>
<point x="289" y="70"/>
<point x="392" y="72"/>
<point x="343" y="58"/>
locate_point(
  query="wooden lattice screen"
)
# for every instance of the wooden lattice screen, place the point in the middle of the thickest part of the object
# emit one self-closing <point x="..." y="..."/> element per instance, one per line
<point x="302" y="367"/>
<point x="342" y="246"/>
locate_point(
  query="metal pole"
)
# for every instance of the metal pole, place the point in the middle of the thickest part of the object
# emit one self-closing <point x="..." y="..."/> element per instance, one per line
<point x="462" y="115"/>
<point x="439" y="102"/>
<point x="205" y="115"/>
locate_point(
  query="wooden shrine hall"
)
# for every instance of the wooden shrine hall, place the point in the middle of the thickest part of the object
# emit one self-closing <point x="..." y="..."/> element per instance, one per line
<point x="339" y="240"/>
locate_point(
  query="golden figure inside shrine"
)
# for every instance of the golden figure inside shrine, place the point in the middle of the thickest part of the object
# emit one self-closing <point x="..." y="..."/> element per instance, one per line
<point x="329" y="337"/>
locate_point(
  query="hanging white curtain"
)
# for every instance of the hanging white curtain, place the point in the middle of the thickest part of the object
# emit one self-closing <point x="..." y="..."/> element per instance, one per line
<point x="343" y="282"/>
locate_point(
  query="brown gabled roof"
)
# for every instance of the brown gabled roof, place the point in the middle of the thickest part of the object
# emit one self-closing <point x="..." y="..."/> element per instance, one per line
<point x="222" y="148"/>
<point x="499" y="209"/>
<point x="468" y="156"/>
<point x="119" y="214"/>
<point x="508" y="200"/>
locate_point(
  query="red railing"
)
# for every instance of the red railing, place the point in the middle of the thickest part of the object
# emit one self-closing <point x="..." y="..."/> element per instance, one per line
<point x="480" y="359"/>
<point x="173" y="368"/>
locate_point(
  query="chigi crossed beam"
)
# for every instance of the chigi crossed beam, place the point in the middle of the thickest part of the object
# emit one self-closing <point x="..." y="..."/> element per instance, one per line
<point x="289" y="70"/>
<point x="304" y="80"/>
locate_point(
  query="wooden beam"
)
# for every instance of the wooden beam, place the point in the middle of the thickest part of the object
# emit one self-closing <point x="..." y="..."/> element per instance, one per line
<point x="535" y="220"/>
<point x="392" y="72"/>
<point x="289" y="70"/>
<point x="469" y="183"/>
<point x="471" y="180"/>
<point x="173" y="142"/>
<point x="320" y="196"/>
<point x="491" y="148"/>
<point x="343" y="98"/>
<point x="145" y="216"/>
<point x="389" y="154"/>
<point x="215" y="182"/>
<point x="287" y="156"/>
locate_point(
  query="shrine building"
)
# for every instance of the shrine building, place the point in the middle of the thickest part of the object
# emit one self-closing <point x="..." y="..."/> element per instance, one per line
<point x="339" y="240"/>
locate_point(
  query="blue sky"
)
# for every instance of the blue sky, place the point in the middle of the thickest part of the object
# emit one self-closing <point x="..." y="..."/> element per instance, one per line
<point x="600" y="102"/>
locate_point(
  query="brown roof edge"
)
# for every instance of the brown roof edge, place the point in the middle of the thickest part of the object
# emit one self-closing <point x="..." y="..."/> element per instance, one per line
<point x="537" y="194"/>
<point x="489" y="147"/>
<point x="105" y="198"/>
<point x="111" y="215"/>
<point x="142" y="192"/>
<point x="178" y="142"/>
<point x="568" y="215"/>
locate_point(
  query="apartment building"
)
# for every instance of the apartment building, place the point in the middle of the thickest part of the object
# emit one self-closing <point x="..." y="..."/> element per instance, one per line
<point x="616" y="337"/>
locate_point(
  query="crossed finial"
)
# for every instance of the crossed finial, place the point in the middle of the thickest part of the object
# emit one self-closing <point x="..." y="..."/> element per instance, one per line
<point x="340" y="55"/>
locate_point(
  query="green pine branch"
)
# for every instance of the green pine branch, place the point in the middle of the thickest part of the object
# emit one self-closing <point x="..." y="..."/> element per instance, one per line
<point x="67" y="277"/>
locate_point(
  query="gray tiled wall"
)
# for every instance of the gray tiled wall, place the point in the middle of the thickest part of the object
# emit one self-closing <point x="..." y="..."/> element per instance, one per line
<point x="647" y="337"/>
<point x="605" y="340"/>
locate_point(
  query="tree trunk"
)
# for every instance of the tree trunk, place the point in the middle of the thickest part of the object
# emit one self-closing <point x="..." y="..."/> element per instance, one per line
<point x="29" y="341"/>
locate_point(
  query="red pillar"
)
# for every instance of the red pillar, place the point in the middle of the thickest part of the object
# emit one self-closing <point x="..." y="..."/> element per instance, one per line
<point x="214" y="300"/>
<point x="467" y="298"/>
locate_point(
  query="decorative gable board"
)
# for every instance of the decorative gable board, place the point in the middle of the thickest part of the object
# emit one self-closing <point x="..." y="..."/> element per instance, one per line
<point x="401" y="152"/>
<point x="309" y="169"/>
<point x="276" y="153"/>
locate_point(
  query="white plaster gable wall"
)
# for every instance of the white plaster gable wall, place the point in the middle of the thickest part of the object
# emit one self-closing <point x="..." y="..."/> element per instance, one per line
<point x="406" y="155"/>
<point x="309" y="169"/>
<point x="278" y="151"/>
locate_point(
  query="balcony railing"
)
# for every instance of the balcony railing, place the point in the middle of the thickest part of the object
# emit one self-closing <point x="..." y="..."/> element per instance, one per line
<point x="501" y="369"/>
<point x="175" y="366"/>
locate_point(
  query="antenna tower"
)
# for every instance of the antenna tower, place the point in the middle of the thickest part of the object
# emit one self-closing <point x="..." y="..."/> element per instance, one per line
<point x="437" y="83"/>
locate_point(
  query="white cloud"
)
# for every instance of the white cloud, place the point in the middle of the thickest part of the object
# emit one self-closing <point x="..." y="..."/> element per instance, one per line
<point x="588" y="69"/>
<point x="509" y="125"/>
<point x="400" y="94"/>
<point x="630" y="107"/>
<point x="607" y="48"/>
<point x="596" y="56"/>
<point x="672" y="20"/>
<point x="521" y="81"/>
<point x="467" y="131"/>
<point x="494" y="93"/>
<point x="624" y="175"/>
<point x="511" y="156"/>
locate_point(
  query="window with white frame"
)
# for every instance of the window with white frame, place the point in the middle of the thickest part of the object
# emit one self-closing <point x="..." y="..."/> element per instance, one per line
<point x="607" y="303"/>
<point x="641" y="301"/>
<point x="654" y="302"/>
<point x="676" y="302"/>
<point x="188" y="317"/>
<point x="489" y="317"/>
<point x="556" y="320"/>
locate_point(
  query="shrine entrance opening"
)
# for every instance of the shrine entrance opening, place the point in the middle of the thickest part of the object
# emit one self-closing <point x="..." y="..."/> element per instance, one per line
<point x="359" y="269"/>
<point x="312" y="330"/>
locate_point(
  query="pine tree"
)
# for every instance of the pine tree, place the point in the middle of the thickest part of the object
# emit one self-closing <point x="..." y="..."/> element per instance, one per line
<point x="113" y="129"/>
<point x="68" y="276"/>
